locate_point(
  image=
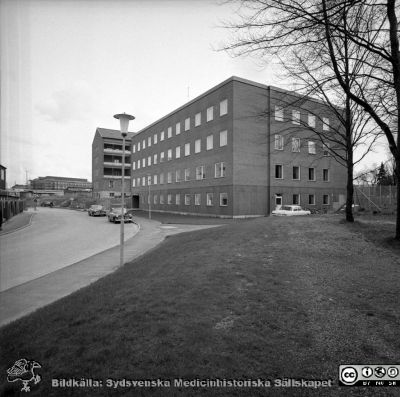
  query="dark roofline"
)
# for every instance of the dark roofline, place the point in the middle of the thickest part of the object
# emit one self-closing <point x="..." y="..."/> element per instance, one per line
<point x="218" y="86"/>
<point x="61" y="178"/>
<point x="108" y="133"/>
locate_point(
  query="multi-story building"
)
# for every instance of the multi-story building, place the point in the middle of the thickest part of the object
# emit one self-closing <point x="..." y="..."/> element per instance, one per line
<point x="240" y="149"/>
<point x="2" y="177"/>
<point x="59" y="183"/>
<point x="107" y="163"/>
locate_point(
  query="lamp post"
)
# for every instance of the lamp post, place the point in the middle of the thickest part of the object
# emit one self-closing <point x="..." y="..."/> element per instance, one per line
<point x="124" y="122"/>
<point x="149" y="184"/>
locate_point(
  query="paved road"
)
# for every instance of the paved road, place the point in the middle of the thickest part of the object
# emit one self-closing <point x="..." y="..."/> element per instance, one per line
<point x="56" y="238"/>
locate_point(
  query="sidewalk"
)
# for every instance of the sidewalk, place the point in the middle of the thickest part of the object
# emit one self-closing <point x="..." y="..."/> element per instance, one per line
<point x="17" y="222"/>
<point x="26" y="298"/>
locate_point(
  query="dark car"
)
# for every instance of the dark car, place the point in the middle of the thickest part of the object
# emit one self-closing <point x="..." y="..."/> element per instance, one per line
<point x="96" y="210"/>
<point x="115" y="215"/>
<point x="47" y="204"/>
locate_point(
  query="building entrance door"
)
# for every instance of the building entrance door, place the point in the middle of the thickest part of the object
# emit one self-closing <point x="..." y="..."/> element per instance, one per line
<point x="135" y="201"/>
<point x="278" y="201"/>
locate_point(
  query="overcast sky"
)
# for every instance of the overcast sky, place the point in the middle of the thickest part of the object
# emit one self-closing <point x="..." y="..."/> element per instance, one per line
<point x="67" y="66"/>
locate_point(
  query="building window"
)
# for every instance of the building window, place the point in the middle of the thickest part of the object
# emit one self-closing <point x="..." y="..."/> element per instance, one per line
<point x="223" y="199"/>
<point x="138" y="164"/>
<point x="311" y="120"/>
<point x="169" y="199"/>
<point x="325" y="123"/>
<point x="144" y="144"/>
<point x="210" y="113"/>
<point x="296" y="173"/>
<point x="133" y="182"/>
<point x="177" y="199"/>
<point x="111" y="184"/>
<point x="155" y="159"/>
<point x="149" y="141"/>
<point x="311" y="147"/>
<point x="162" y="178"/>
<point x="210" y="142"/>
<point x="220" y="170"/>
<point x="155" y="199"/>
<point x="143" y="181"/>
<point x="161" y="199"/>
<point x="200" y="174"/>
<point x="154" y="179"/>
<point x="278" y="171"/>
<point x="197" y="198"/>
<point x="138" y="181"/>
<point x="169" y="177"/>
<point x="162" y="136"/>
<point x="311" y="174"/>
<point x="187" y="199"/>
<point x="197" y="119"/>
<point x="187" y="174"/>
<point x="223" y="107"/>
<point x="296" y="117"/>
<point x="155" y="138"/>
<point x="278" y="113"/>
<point x="149" y="161"/>
<point x="295" y="144"/>
<point x="169" y="154"/>
<point x="210" y="199"/>
<point x="178" y="128"/>
<point x="178" y="176"/>
<point x="325" y="149"/>
<point x="134" y="148"/>
<point x="162" y="157"/>
<point x="187" y="149"/>
<point x="296" y="199"/>
<point x="325" y="175"/>
<point x="223" y="138"/>
<point x="111" y="194"/>
<point x="143" y="163"/>
<point x="138" y="147"/>
<point x="325" y="199"/>
<point x="197" y="146"/>
<point x="134" y="165"/>
<point x="177" y="152"/>
<point x="169" y="132"/>
<point x="311" y="199"/>
<point x="278" y="142"/>
<point x="187" y="124"/>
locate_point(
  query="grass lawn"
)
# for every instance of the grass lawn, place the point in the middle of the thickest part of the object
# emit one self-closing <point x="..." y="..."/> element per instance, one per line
<point x="267" y="298"/>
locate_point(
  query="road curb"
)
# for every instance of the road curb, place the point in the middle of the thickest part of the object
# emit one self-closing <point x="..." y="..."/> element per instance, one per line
<point x="20" y="228"/>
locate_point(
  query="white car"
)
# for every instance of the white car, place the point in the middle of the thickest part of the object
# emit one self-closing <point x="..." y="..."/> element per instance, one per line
<point x="290" y="210"/>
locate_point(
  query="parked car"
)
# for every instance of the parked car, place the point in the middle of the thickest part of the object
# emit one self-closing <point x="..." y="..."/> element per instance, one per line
<point x="97" y="210"/>
<point x="290" y="210"/>
<point x="46" y="204"/>
<point x="115" y="215"/>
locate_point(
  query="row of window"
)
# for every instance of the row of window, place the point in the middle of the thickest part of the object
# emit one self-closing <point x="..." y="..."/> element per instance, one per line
<point x="176" y="199"/>
<point x="296" y="118"/>
<point x="296" y="143"/>
<point x="296" y="199"/>
<point x="168" y="155"/>
<point x="296" y="173"/>
<point x="223" y="110"/>
<point x="200" y="174"/>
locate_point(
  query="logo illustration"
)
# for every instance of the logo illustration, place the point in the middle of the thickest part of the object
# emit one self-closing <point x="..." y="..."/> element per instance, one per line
<point x="367" y="372"/>
<point x="392" y="372"/>
<point x="348" y="375"/>
<point x="24" y="371"/>
<point x="380" y="372"/>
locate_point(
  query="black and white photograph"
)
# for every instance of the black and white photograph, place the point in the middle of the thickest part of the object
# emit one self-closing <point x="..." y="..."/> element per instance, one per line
<point x="199" y="198"/>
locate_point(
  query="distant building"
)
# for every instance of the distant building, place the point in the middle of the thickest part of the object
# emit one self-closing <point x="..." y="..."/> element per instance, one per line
<point x="2" y="177"/>
<point x="59" y="183"/>
<point x="107" y="163"/>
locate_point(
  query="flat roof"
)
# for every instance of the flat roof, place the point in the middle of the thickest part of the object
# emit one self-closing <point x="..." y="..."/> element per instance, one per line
<point x="109" y="133"/>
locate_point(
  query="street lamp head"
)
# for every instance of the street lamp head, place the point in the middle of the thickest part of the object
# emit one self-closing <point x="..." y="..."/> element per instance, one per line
<point x="124" y="122"/>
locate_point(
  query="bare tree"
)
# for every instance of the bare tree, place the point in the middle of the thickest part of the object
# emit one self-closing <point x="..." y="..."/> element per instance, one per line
<point x="362" y="31"/>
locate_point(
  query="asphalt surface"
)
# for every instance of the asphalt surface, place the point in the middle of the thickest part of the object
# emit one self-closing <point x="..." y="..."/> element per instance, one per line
<point x="55" y="238"/>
